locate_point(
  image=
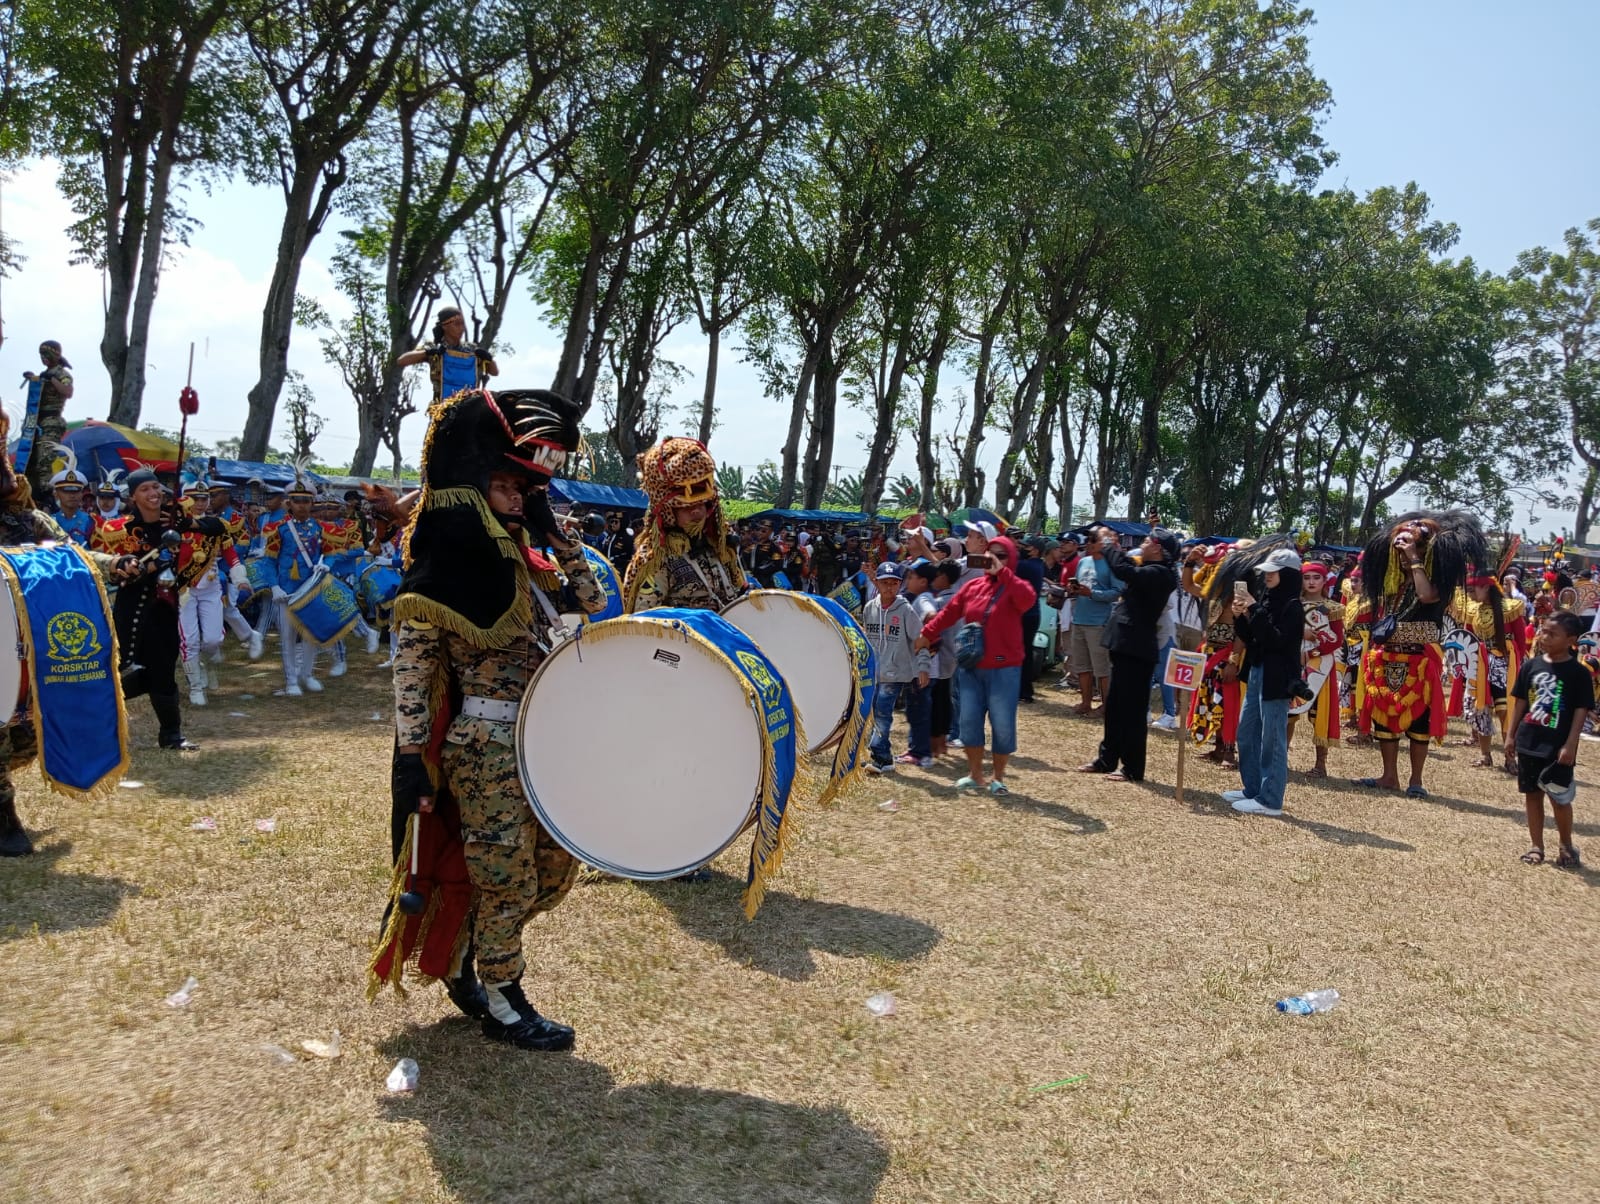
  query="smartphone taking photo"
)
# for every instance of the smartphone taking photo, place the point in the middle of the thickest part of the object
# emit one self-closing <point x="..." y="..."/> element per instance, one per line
<point x="981" y="561"/>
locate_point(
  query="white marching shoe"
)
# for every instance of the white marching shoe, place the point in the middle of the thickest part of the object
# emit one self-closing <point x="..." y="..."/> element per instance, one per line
<point x="311" y="684"/>
<point x="336" y="669"/>
<point x="372" y="640"/>
<point x="292" y="690"/>
<point x="257" y="641"/>
<point x="197" y="698"/>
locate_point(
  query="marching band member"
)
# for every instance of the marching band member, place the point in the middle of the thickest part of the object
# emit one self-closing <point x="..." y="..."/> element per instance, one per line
<point x="476" y="618"/>
<point x="200" y="612"/>
<point x="146" y="608"/>
<point x="108" y="497"/>
<point x="233" y="519"/>
<point x="297" y="544"/>
<point x="67" y="488"/>
<point x="54" y="389"/>
<point x="682" y="556"/>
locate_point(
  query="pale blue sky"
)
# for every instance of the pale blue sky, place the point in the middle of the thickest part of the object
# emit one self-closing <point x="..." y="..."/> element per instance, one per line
<point x="1485" y="105"/>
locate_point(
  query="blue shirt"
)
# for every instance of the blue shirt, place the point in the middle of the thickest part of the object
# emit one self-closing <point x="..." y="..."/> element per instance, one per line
<point x="78" y="528"/>
<point x="1094" y="608"/>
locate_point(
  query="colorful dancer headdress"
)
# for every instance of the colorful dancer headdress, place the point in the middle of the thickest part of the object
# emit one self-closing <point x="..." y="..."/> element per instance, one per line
<point x="1450" y="543"/>
<point x="676" y="472"/>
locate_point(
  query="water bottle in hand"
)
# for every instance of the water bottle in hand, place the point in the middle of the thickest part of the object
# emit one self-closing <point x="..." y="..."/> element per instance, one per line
<point x="1310" y="1003"/>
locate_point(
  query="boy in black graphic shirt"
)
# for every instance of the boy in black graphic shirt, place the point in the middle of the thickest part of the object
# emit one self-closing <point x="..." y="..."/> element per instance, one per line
<point x="1552" y="696"/>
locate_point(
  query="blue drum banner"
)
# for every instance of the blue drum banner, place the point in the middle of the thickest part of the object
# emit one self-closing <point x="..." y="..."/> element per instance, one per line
<point x="71" y="655"/>
<point x="848" y="763"/>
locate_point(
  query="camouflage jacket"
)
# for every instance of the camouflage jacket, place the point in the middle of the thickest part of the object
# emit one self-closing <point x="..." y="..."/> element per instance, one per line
<point x="698" y="581"/>
<point x="428" y="654"/>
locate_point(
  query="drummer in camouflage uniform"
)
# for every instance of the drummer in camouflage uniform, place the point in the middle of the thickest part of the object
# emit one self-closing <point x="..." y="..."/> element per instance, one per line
<point x="476" y="616"/>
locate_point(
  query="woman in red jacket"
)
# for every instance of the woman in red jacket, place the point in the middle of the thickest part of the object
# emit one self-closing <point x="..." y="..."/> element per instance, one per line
<point x="996" y="601"/>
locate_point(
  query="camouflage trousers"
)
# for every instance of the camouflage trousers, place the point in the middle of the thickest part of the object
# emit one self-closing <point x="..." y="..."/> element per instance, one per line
<point x="517" y="870"/>
<point x="18" y="746"/>
<point x="41" y="461"/>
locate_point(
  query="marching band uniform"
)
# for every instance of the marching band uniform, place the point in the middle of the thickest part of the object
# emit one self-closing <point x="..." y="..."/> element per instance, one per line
<point x="68" y="485"/>
<point x="200" y="612"/>
<point x="233" y="619"/>
<point x="475" y="620"/>
<point x="108" y="497"/>
<point x="146" y="609"/>
<point x="297" y="546"/>
<point x="672" y="566"/>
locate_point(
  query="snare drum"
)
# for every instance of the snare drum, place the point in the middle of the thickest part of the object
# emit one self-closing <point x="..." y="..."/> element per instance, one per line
<point x="810" y="650"/>
<point x="262" y="575"/>
<point x="681" y="795"/>
<point x="324" y="608"/>
<point x="378" y="586"/>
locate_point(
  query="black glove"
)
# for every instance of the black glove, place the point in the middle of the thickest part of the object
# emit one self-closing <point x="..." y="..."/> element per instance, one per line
<point x="540" y="519"/>
<point x="409" y="782"/>
<point x="483" y="353"/>
<point x="434" y="349"/>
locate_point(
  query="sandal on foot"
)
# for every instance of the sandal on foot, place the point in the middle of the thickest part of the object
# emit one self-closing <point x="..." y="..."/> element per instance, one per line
<point x="1534" y="856"/>
<point x="1369" y="783"/>
<point x="1314" y="772"/>
<point x="1568" y="857"/>
<point x="968" y="784"/>
<point x="1116" y="776"/>
<point x="1416" y="792"/>
<point x="998" y="788"/>
<point x="1091" y="767"/>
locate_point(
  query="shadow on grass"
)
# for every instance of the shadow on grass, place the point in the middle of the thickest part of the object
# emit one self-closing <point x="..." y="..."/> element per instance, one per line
<point x="1487" y="810"/>
<point x="1080" y="822"/>
<point x="1200" y="803"/>
<point x="786" y="930"/>
<point x="36" y="898"/>
<point x="507" y="1126"/>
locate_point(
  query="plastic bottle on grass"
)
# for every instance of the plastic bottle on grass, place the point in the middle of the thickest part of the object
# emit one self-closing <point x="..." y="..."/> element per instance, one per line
<point x="1311" y="1003"/>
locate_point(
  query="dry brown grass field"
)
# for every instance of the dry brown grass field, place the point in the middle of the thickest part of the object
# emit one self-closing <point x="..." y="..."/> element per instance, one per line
<point x="1075" y="929"/>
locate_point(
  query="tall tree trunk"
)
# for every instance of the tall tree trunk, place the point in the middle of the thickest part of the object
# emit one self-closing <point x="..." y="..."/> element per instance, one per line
<point x="277" y="316"/>
<point x="797" y="418"/>
<point x="708" y="398"/>
<point x="927" y="456"/>
<point x="1584" y="517"/>
<point x="885" y="431"/>
<point x="819" y="445"/>
<point x="129" y="399"/>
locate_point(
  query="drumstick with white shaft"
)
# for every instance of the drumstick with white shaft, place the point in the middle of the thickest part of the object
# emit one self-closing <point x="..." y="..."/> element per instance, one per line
<point x="412" y="901"/>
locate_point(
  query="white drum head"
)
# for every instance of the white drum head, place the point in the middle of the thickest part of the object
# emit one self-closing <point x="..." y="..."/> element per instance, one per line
<point x="682" y="782"/>
<point x="810" y="653"/>
<point x="10" y="655"/>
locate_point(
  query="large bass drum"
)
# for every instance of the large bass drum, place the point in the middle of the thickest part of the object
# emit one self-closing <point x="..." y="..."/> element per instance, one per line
<point x="697" y="704"/>
<point x="811" y="651"/>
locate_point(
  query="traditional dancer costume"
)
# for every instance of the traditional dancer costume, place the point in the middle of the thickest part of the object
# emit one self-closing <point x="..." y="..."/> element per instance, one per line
<point x="1322" y="649"/>
<point x="1215" y="708"/>
<point x="45" y="424"/>
<point x="476" y="619"/>
<point x="1402" y="670"/>
<point x="672" y="565"/>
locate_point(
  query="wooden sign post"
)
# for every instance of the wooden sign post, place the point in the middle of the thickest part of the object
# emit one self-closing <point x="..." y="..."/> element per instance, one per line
<point x="1183" y="673"/>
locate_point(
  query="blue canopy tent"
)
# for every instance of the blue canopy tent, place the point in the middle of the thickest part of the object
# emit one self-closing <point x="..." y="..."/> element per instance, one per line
<point x="604" y="497"/>
<point x="237" y="472"/>
<point x="815" y="516"/>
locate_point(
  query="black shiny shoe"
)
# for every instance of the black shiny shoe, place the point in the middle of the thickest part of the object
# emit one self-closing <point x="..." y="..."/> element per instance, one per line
<point x="531" y="1031"/>
<point x="467" y="993"/>
<point x="14" y="841"/>
<point x="181" y="744"/>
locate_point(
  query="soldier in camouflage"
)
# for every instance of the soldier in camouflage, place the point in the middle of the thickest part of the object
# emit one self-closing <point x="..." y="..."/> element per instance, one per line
<point x="475" y="615"/>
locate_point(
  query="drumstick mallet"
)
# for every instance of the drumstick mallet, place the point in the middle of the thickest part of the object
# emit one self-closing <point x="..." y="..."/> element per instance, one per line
<point x="413" y="901"/>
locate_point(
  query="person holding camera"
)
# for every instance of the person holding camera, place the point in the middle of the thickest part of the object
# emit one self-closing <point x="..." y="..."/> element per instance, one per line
<point x="1270" y="628"/>
<point x="453" y="364"/>
<point x="1130" y="638"/>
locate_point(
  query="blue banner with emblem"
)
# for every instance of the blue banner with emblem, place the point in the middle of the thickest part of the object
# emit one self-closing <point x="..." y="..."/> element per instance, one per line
<point x="605" y="574"/>
<point x="848" y="762"/>
<point x="30" y="425"/>
<point x="783" y="740"/>
<point x="70" y="649"/>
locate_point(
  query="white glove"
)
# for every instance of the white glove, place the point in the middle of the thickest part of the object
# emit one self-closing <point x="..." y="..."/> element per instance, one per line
<point x="238" y="577"/>
<point x="277" y="593"/>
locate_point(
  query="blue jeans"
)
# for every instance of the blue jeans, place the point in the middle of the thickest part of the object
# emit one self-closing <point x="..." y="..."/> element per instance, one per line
<point x="1169" y="696"/>
<point x="883" y="719"/>
<point x="992" y="692"/>
<point x="1263" y="744"/>
<point x="919" y="715"/>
